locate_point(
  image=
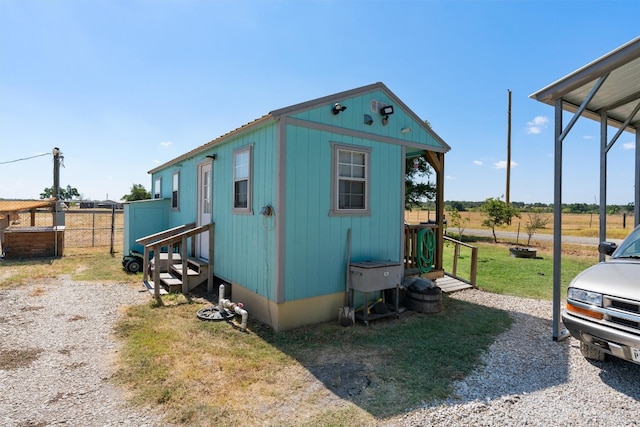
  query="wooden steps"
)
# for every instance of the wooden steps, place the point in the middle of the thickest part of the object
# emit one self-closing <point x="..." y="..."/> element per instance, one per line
<point x="150" y="287"/>
<point x="171" y="280"/>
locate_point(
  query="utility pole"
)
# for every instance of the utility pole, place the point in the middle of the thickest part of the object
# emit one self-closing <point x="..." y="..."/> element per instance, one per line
<point x="56" y="174"/>
<point x="58" y="215"/>
<point x="508" y="192"/>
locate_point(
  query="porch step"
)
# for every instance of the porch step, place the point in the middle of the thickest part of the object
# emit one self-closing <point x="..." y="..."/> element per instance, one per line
<point x="190" y="271"/>
<point x="450" y="284"/>
<point x="172" y="283"/>
<point x="164" y="260"/>
<point x="196" y="272"/>
<point x="150" y="287"/>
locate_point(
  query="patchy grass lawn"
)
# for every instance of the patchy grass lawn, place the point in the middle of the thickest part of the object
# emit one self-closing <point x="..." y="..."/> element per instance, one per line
<point x="81" y="264"/>
<point x="207" y="373"/>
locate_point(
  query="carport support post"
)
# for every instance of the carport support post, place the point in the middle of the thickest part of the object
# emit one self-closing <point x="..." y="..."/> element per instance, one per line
<point x="637" y="185"/>
<point x="603" y="181"/>
<point x="557" y="219"/>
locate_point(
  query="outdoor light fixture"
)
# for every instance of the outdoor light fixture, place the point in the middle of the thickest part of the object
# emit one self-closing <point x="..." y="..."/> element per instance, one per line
<point x="368" y="120"/>
<point x="337" y="108"/>
<point x="211" y="156"/>
<point x="385" y="112"/>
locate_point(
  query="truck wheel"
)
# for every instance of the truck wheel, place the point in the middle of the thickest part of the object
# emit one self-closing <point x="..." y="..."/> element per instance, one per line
<point x="591" y="352"/>
<point x="134" y="266"/>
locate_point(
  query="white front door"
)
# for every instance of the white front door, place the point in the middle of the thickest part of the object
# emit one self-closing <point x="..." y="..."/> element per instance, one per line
<point x="204" y="208"/>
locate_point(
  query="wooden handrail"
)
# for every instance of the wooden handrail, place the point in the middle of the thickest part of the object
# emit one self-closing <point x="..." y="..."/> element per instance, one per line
<point x="474" y="261"/>
<point x="163" y="234"/>
<point x="168" y="238"/>
<point x="175" y="238"/>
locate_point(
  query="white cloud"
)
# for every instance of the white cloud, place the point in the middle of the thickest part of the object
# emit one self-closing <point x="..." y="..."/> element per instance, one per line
<point x="502" y="164"/>
<point x="166" y="143"/>
<point x="477" y="162"/>
<point x="449" y="177"/>
<point x="628" y="145"/>
<point x="588" y="137"/>
<point x="536" y="125"/>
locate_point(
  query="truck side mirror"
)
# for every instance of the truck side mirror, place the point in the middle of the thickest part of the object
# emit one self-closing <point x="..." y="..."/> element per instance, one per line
<point x="607" y="248"/>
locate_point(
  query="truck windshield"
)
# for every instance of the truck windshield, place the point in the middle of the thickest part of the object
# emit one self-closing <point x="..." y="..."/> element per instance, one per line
<point x="630" y="247"/>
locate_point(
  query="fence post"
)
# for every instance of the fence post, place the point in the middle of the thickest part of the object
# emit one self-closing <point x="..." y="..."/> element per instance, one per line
<point x="113" y="226"/>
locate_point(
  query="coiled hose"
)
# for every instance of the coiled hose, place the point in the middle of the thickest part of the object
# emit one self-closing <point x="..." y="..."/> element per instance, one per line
<point x="426" y="248"/>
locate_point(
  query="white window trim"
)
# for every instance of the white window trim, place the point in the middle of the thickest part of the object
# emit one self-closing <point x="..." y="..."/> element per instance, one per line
<point x="248" y="209"/>
<point x="157" y="188"/>
<point x="173" y="189"/>
<point x="335" y="180"/>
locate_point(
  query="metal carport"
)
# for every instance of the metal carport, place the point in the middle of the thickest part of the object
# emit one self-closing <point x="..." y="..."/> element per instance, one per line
<point x="606" y="90"/>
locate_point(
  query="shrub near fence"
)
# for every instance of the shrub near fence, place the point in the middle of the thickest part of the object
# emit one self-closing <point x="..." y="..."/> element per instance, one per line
<point x="84" y="228"/>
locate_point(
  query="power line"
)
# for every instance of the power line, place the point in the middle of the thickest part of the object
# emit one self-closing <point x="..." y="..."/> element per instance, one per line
<point x="26" y="158"/>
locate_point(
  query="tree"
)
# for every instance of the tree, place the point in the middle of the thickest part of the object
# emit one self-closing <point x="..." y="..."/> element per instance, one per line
<point x="417" y="187"/>
<point x="536" y="222"/>
<point x="65" y="193"/>
<point x="456" y="220"/>
<point x="138" y="192"/>
<point x="498" y="214"/>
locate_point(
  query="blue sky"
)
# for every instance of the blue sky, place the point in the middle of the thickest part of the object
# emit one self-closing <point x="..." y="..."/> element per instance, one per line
<point x="122" y="86"/>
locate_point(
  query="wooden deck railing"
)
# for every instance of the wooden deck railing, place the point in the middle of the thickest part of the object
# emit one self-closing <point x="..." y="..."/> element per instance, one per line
<point x="473" y="268"/>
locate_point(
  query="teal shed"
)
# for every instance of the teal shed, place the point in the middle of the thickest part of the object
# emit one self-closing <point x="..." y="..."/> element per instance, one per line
<point x="282" y="192"/>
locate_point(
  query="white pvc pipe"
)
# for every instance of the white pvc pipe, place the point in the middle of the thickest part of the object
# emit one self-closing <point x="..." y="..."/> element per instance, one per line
<point x="232" y="306"/>
<point x="220" y="295"/>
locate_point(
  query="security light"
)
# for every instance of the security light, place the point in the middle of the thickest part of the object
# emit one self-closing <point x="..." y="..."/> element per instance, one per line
<point x="337" y="108"/>
<point x="387" y="110"/>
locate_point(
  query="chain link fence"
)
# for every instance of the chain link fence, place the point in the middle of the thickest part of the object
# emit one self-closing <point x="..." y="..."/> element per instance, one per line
<point x="84" y="228"/>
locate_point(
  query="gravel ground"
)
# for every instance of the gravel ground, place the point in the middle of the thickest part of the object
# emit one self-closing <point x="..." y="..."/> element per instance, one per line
<point x="529" y="379"/>
<point x="66" y="328"/>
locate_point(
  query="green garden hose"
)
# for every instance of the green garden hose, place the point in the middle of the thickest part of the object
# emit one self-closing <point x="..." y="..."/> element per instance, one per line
<point x="426" y="248"/>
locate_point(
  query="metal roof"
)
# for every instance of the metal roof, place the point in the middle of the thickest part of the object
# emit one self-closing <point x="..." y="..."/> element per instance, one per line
<point x="607" y="87"/>
<point x="10" y="206"/>
<point x="619" y="95"/>
<point x="279" y="113"/>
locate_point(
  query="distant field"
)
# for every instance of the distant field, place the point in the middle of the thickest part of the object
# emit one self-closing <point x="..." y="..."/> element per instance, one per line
<point x="585" y="225"/>
<point x="92" y="227"/>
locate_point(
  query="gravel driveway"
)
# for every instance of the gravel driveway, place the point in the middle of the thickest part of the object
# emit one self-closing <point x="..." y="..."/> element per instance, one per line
<point x="61" y="333"/>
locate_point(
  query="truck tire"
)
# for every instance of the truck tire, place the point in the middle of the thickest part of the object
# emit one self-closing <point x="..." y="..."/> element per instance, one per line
<point x="591" y="352"/>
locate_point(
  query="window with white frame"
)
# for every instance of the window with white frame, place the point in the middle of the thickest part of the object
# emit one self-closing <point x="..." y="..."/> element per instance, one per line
<point x="350" y="180"/>
<point x="157" y="188"/>
<point x="242" y="179"/>
<point x="175" y="191"/>
<point x="206" y="192"/>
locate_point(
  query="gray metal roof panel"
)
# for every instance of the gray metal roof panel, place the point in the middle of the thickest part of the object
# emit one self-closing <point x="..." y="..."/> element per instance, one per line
<point x="618" y="96"/>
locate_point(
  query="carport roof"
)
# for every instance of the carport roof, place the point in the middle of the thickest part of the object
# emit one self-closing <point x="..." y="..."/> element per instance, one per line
<point x="10" y="206"/>
<point x="618" y="96"/>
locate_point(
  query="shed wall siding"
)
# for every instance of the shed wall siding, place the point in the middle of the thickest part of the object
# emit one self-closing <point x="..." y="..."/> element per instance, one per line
<point x="315" y="242"/>
<point x="244" y="243"/>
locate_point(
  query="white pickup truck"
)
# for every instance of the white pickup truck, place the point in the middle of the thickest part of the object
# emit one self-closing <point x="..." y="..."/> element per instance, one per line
<point x="603" y="303"/>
